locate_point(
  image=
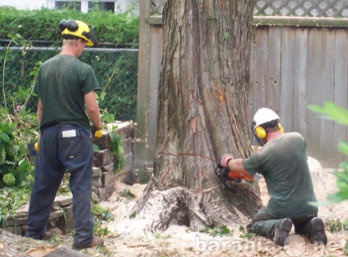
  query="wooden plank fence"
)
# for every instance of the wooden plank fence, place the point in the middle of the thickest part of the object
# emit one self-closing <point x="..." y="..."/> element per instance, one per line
<point x="293" y="67"/>
<point x="296" y="61"/>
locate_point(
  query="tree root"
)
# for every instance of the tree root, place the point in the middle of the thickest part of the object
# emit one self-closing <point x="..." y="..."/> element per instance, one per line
<point x="196" y="209"/>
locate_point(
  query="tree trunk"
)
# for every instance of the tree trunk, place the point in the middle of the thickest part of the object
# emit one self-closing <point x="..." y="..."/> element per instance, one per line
<point x="202" y="114"/>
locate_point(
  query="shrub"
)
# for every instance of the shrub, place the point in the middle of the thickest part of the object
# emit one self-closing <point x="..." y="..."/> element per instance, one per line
<point x="15" y="167"/>
<point x="42" y="25"/>
<point x="115" y="70"/>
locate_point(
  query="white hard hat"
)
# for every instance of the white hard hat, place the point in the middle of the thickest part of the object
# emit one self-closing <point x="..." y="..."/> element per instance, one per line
<point x="264" y="115"/>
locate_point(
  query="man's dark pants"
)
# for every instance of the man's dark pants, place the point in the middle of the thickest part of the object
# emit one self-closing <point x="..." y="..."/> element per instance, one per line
<point x="265" y="224"/>
<point x="63" y="148"/>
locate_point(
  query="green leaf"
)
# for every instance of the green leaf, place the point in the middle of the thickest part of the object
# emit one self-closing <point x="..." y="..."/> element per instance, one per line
<point x="4" y="137"/>
<point x="108" y="117"/>
<point x="9" y="179"/>
<point x="331" y="111"/>
<point x="12" y="152"/>
<point x="218" y="231"/>
<point x="7" y="128"/>
<point x="344" y="166"/>
<point x="96" y="148"/>
<point x="343" y="147"/>
<point x="24" y="166"/>
<point x="2" y="156"/>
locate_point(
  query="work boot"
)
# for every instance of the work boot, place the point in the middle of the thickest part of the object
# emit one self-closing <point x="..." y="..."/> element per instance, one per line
<point x="316" y="231"/>
<point x="96" y="241"/>
<point x="282" y="231"/>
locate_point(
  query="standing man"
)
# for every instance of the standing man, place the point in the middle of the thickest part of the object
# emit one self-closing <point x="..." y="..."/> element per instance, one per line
<point x="283" y="163"/>
<point x="66" y="90"/>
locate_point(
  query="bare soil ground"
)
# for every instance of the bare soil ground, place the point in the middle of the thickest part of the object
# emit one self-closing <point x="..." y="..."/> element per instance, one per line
<point x="131" y="237"/>
<point x="134" y="239"/>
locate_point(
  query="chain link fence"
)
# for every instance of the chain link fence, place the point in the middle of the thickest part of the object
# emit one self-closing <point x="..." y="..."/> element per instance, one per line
<point x="116" y="70"/>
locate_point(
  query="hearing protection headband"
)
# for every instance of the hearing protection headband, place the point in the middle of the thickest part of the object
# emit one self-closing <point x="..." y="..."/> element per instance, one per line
<point x="260" y="131"/>
<point x="79" y="29"/>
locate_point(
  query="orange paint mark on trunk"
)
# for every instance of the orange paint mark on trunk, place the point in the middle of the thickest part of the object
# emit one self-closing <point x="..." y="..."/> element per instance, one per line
<point x="193" y="125"/>
<point x="221" y="96"/>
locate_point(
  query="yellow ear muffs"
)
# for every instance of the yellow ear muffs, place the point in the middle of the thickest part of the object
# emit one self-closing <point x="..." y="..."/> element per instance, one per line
<point x="281" y="128"/>
<point x="260" y="132"/>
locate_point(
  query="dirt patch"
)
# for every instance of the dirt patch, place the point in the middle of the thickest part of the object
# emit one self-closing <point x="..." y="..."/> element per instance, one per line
<point x="131" y="237"/>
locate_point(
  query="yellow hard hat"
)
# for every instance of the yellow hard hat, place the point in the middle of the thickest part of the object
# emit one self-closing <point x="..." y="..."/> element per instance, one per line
<point x="78" y="29"/>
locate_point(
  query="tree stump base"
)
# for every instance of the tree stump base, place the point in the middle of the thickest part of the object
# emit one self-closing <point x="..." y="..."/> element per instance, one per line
<point x="196" y="209"/>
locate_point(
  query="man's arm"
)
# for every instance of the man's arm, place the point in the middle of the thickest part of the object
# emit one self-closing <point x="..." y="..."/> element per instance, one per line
<point x="228" y="161"/>
<point x="235" y="167"/>
<point x="93" y="109"/>
<point x="39" y="111"/>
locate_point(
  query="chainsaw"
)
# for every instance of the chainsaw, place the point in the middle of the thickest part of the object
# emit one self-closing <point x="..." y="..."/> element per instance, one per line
<point x="232" y="179"/>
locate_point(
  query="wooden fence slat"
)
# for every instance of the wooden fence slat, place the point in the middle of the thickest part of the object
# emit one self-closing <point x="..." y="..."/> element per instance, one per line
<point x="327" y="87"/>
<point x="273" y="69"/>
<point x="341" y="84"/>
<point x="287" y="80"/>
<point x="257" y="95"/>
<point x="301" y="80"/>
<point x="261" y="46"/>
<point x="291" y="67"/>
<point x="313" y="91"/>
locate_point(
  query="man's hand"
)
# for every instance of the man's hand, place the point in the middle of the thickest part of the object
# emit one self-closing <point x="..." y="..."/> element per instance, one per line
<point x="36" y="146"/>
<point x="97" y="132"/>
<point x="225" y="159"/>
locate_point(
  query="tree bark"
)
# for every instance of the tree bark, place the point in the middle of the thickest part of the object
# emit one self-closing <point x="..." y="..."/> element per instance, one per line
<point x="202" y="114"/>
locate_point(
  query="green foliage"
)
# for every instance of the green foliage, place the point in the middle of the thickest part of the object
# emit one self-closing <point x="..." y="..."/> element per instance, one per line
<point x="332" y="111"/>
<point x="219" y="231"/>
<point x="245" y="234"/>
<point x="15" y="132"/>
<point x="157" y="235"/>
<point x="116" y="148"/>
<point x="115" y="70"/>
<point x="18" y="96"/>
<point x="101" y="215"/>
<point x="64" y="188"/>
<point x="339" y="114"/>
<point x="119" y="29"/>
<point x="333" y="225"/>
<point x="15" y="167"/>
<point x="15" y="39"/>
<point x="9" y="179"/>
<point x="11" y="199"/>
<point x="107" y="117"/>
<point x="127" y="194"/>
<point x="119" y="92"/>
<point x="345" y="250"/>
<point x="95" y="148"/>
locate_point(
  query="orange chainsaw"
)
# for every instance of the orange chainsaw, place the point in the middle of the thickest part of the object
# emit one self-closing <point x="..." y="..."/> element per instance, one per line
<point x="234" y="177"/>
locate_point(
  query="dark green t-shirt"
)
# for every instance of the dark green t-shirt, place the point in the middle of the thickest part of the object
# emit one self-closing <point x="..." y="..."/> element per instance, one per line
<point x="283" y="163"/>
<point x="61" y="84"/>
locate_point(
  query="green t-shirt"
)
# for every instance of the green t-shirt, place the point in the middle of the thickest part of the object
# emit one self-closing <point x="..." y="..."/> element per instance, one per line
<point x="283" y="163"/>
<point x="61" y="84"/>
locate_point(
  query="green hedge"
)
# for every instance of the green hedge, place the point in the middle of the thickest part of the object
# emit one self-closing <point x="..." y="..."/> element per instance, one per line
<point x="42" y="25"/>
<point x="116" y="69"/>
